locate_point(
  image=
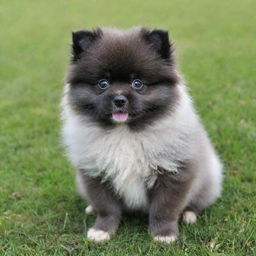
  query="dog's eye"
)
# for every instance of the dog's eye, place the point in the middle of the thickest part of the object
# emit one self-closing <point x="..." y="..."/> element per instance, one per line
<point x="137" y="84"/>
<point x="103" y="84"/>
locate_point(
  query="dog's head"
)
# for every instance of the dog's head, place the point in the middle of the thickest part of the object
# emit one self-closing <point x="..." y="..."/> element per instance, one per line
<point x="122" y="77"/>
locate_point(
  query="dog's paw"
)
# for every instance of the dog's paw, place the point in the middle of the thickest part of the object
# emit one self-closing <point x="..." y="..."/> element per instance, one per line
<point x="189" y="217"/>
<point x="89" y="210"/>
<point x="97" y="235"/>
<point x="166" y="239"/>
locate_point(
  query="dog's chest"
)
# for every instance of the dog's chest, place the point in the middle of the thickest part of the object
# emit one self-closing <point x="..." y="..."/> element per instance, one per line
<point x="128" y="161"/>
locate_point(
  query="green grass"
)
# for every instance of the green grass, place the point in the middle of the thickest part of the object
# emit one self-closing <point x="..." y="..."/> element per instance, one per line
<point x="40" y="212"/>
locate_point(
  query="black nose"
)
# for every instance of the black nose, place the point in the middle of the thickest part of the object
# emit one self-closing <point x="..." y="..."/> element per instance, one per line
<point x="120" y="100"/>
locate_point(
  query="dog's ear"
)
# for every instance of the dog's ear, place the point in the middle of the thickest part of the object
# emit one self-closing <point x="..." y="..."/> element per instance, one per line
<point x="81" y="41"/>
<point x="159" y="40"/>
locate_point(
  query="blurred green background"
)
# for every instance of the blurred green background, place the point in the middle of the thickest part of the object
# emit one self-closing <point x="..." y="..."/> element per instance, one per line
<point x="40" y="212"/>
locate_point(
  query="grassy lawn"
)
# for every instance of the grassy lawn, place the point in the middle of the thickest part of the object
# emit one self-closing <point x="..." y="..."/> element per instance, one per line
<point x="40" y="212"/>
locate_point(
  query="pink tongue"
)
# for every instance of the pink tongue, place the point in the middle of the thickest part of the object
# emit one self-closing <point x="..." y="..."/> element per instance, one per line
<point x="120" y="117"/>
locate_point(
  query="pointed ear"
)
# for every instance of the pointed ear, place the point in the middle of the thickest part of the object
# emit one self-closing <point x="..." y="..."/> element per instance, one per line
<point x="159" y="41"/>
<point x="82" y="39"/>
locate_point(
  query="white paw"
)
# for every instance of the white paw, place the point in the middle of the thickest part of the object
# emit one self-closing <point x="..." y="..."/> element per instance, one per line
<point x="189" y="217"/>
<point x="89" y="210"/>
<point x="166" y="239"/>
<point x="97" y="235"/>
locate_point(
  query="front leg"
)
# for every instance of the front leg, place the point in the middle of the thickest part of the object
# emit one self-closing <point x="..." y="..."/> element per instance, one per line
<point x="107" y="207"/>
<point x="168" y="198"/>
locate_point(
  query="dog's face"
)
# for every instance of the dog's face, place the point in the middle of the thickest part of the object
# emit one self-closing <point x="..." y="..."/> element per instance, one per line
<point x="123" y="77"/>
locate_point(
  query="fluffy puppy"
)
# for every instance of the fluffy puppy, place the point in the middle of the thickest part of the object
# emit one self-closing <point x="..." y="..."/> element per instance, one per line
<point x="132" y="133"/>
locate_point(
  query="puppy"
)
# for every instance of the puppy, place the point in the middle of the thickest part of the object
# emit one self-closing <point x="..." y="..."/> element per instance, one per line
<point x="132" y="133"/>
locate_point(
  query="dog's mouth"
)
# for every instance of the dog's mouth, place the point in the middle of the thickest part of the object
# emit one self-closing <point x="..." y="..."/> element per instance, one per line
<point x="120" y="117"/>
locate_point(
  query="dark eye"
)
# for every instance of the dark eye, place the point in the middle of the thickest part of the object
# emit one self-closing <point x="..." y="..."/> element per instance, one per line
<point x="103" y="84"/>
<point x="137" y="84"/>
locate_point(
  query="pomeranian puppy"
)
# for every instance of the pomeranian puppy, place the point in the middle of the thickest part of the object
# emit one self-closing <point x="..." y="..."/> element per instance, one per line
<point x="133" y="134"/>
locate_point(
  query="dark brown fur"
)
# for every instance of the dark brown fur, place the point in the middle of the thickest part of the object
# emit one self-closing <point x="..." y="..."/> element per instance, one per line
<point x="167" y="201"/>
<point x="104" y="202"/>
<point x="139" y="54"/>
